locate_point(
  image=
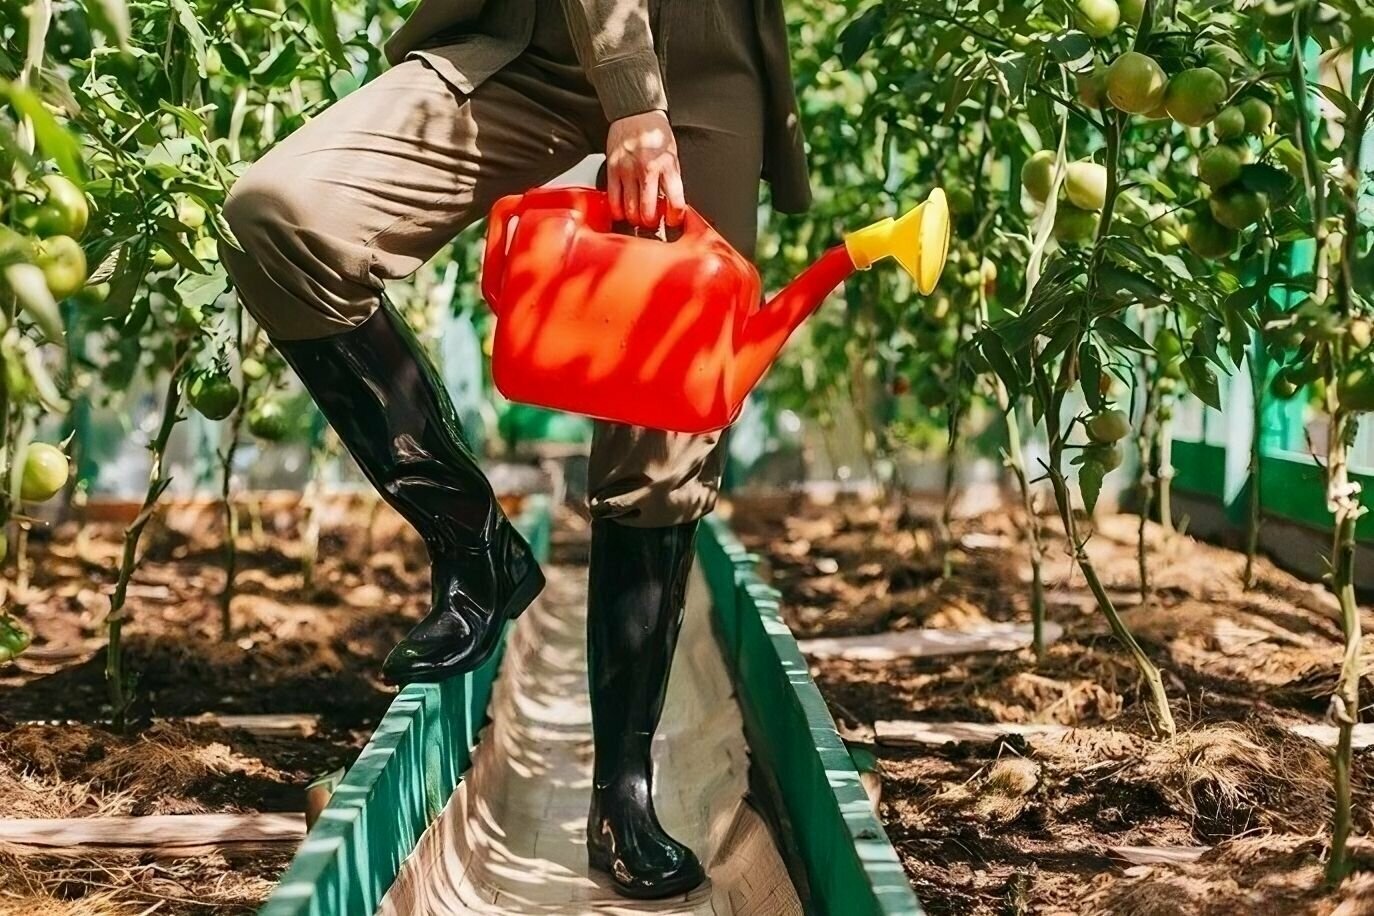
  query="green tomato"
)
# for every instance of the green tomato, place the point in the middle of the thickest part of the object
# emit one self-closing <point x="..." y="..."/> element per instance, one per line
<point x="45" y="472"/>
<point x="63" y="264"/>
<point x="1073" y="226"/>
<point x="13" y="640"/>
<point x="1099" y="18"/>
<point x="1209" y="239"/>
<point x="268" y="421"/>
<point x="1132" y="11"/>
<point x="1258" y="116"/>
<point x="162" y="259"/>
<point x="253" y="369"/>
<point x="1092" y="86"/>
<point x="1219" y="166"/>
<point x="1105" y="455"/>
<point x="1237" y="208"/>
<point x="1108" y="426"/>
<point x="1136" y="83"/>
<point x="1168" y="346"/>
<point x="190" y="213"/>
<point x="1085" y="184"/>
<point x="1194" y="97"/>
<point x="1229" y="123"/>
<point x="214" y="395"/>
<point x="61" y="210"/>
<point x="1037" y="175"/>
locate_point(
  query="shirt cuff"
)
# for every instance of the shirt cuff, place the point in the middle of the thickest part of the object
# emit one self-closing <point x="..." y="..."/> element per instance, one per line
<point x="629" y="85"/>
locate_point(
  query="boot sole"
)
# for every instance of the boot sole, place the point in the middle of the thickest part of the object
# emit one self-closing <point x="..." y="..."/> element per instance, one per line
<point x="601" y="863"/>
<point x="521" y="597"/>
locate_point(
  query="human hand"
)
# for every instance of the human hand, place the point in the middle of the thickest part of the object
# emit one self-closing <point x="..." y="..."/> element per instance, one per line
<point x="643" y="176"/>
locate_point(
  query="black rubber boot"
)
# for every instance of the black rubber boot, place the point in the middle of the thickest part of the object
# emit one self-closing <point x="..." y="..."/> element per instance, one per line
<point x="379" y="391"/>
<point x="637" y="588"/>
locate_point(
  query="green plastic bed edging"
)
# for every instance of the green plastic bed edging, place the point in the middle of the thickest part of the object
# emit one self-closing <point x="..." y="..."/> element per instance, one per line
<point x="398" y="785"/>
<point x="850" y="866"/>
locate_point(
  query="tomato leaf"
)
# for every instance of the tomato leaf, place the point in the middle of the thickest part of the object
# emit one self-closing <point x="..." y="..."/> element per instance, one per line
<point x="1201" y="380"/>
<point x="1115" y="332"/>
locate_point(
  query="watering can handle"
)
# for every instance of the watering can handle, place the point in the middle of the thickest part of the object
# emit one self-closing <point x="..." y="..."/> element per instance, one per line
<point x="494" y="260"/>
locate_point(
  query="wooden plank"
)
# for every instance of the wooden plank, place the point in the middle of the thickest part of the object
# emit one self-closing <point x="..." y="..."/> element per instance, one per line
<point x="1326" y="735"/>
<point x="925" y="643"/>
<point x="902" y="733"/>
<point x="1158" y="855"/>
<point x="164" y="833"/>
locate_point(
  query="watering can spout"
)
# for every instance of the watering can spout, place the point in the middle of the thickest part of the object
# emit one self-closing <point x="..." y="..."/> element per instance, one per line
<point x="918" y="241"/>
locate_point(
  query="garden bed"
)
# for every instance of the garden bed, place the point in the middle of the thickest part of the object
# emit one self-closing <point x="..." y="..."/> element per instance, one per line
<point x="1088" y="814"/>
<point x="235" y="727"/>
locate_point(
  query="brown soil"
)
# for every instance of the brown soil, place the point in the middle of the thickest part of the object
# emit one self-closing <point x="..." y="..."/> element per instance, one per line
<point x="293" y="650"/>
<point x="1029" y="824"/>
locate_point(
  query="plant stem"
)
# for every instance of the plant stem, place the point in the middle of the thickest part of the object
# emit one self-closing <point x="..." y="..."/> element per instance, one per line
<point x="116" y="678"/>
<point x="1255" y="509"/>
<point x="231" y="511"/>
<point x="1052" y="395"/>
<point x="1016" y="460"/>
<point x="1143" y="440"/>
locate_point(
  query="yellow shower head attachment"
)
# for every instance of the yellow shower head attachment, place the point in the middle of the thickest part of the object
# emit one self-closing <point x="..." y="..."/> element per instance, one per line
<point x="917" y="240"/>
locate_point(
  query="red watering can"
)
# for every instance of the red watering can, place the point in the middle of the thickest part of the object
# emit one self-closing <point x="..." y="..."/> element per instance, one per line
<point x="665" y="334"/>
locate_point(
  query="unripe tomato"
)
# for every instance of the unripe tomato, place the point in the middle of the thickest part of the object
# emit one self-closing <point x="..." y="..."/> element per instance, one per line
<point x="1208" y="239"/>
<point x="1085" y="184"/>
<point x="1108" y="426"/>
<point x="1194" y="97"/>
<point x="63" y="264"/>
<point x="45" y="472"/>
<point x="1229" y="123"/>
<point x="1037" y="175"/>
<point x="162" y="259"/>
<point x="253" y="369"/>
<point x="1136" y="83"/>
<point x="61" y="210"/>
<point x="267" y="420"/>
<point x="1132" y="11"/>
<point x="1106" y="455"/>
<point x="1092" y="86"/>
<point x="1099" y="18"/>
<point x="1258" y="115"/>
<point x="1168" y="347"/>
<point x="1238" y="208"/>
<point x="214" y="395"/>
<point x="190" y="213"/>
<point x="1074" y="226"/>
<point x="1219" y="166"/>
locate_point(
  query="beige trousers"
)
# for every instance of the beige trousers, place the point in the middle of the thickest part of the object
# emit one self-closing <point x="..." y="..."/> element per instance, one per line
<point x="377" y="184"/>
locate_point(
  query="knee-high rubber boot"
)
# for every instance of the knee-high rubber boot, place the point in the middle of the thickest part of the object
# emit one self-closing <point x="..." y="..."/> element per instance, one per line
<point x="637" y="587"/>
<point x="379" y="391"/>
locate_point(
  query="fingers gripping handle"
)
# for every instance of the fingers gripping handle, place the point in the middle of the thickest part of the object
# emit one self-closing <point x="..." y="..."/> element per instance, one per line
<point x="494" y="259"/>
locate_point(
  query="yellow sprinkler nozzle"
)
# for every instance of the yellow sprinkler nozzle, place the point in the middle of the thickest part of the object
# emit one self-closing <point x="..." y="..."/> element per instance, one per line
<point x="917" y="240"/>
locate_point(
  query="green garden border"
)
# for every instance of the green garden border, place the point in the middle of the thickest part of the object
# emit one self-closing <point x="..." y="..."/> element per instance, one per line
<point x="398" y="785"/>
<point x="849" y="866"/>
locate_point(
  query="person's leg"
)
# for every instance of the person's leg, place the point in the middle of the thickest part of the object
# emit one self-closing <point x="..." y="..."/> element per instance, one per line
<point x="366" y="192"/>
<point x="647" y="490"/>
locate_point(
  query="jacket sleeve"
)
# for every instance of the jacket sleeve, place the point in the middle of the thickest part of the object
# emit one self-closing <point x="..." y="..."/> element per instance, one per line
<point x="616" y="48"/>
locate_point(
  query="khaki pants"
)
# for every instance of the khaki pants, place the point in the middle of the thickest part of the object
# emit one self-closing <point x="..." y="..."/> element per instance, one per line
<point x="377" y="184"/>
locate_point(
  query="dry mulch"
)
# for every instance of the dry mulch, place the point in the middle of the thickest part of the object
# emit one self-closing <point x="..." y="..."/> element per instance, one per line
<point x="295" y="649"/>
<point x="1028" y="824"/>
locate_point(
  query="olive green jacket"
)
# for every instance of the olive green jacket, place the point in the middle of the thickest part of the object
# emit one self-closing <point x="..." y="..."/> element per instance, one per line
<point x="615" y="44"/>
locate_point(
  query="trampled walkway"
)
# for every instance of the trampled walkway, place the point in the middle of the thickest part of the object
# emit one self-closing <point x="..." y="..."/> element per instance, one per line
<point x="511" y="838"/>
